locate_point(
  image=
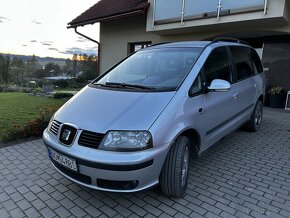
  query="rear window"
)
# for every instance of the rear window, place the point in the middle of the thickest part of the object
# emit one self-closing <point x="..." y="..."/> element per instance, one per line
<point x="242" y="60"/>
<point x="256" y="61"/>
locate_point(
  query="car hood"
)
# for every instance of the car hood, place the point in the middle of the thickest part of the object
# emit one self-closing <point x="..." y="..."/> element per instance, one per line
<point x="101" y="110"/>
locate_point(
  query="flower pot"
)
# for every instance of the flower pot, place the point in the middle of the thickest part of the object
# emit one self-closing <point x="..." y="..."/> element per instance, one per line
<point x="276" y="101"/>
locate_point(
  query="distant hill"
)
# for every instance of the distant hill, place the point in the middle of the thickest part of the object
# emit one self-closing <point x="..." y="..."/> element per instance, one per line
<point x="40" y="60"/>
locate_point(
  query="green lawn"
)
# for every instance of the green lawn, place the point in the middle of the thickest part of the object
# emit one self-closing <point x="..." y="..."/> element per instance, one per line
<point x="18" y="108"/>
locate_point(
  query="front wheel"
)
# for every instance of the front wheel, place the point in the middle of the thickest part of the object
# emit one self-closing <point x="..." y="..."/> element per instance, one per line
<point x="174" y="174"/>
<point x="254" y="123"/>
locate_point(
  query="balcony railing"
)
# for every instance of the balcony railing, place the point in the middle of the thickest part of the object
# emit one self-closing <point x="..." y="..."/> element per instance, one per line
<point x="173" y="11"/>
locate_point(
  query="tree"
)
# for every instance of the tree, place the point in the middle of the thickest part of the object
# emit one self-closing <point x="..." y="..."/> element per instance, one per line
<point x="2" y="61"/>
<point x="17" y="71"/>
<point x="32" y="66"/>
<point x="88" y="66"/>
<point x="67" y="68"/>
<point x="4" y="69"/>
<point x="52" y="69"/>
<point x="74" y="65"/>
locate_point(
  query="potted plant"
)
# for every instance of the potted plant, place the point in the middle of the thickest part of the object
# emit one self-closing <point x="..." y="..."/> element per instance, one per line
<point x="276" y="97"/>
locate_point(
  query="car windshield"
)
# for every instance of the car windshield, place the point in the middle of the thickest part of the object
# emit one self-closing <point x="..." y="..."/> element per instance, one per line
<point x="152" y="69"/>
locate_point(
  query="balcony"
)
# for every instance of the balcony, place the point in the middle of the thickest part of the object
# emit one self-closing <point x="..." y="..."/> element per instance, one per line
<point x="183" y="14"/>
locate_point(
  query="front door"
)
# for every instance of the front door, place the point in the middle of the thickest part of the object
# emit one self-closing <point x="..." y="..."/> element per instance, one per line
<point x="220" y="107"/>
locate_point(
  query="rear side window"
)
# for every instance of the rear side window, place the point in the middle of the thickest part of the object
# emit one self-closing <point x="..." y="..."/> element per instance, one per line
<point x="217" y="66"/>
<point x="243" y="62"/>
<point x="256" y="61"/>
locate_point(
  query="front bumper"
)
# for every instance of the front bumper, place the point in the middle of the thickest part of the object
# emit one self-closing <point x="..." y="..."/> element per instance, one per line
<point x="108" y="170"/>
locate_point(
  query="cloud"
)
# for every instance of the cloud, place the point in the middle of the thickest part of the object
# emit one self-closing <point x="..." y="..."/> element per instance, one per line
<point x="68" y="52"/>
<point x="36" y="22"/>
<point x="92" y="48"/>
<point x="81" y="40"/>
<point x="46" y="43"/>
<point x="33" y="41"/>
<point x="3" y="18"/>
<point x="76" y="50"/>
<point x="53" y="49"/>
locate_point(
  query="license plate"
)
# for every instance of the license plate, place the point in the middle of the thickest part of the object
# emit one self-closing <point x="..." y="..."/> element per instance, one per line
<point x="63" y="160"/>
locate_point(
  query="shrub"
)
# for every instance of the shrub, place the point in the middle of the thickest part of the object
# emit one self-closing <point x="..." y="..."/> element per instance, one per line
<point x="34" y="127"/>
<point x="37" y="90"/>
<point x="276" y="91"/>
<point x="61" y="95"/>
<point x="61" y="83"/>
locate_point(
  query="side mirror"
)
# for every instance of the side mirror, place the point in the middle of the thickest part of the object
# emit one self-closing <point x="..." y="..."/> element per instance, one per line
<point x="219" y="85"/>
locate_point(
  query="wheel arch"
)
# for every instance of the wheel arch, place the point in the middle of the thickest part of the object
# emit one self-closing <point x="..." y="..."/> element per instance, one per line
<point x="194" y="139"/>
<point x="261" y="98"/>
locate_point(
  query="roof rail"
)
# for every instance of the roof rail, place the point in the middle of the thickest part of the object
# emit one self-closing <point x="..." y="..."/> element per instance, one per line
<point x="227" y="39"/>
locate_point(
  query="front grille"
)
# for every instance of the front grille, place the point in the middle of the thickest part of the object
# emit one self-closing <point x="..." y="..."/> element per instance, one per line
<point x="90" y="139"/>
<point x="55" y="126"/>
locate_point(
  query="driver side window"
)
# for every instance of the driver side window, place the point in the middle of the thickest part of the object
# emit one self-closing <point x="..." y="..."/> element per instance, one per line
<point x="217" y="66"/>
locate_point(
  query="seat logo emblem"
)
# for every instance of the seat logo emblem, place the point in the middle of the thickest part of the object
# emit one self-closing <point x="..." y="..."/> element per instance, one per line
<point x="65" y="135"/>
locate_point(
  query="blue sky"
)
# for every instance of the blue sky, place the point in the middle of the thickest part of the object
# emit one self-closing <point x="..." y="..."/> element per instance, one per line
<point x="39" y="27"/>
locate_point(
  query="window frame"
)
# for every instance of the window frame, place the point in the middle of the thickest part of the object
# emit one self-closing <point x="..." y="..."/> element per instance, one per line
<point x="131" y="46"/>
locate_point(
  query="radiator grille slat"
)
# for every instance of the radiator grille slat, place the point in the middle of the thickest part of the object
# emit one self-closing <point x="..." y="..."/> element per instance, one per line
<point x="55" y="127"/>
<point x="90" y="139"/>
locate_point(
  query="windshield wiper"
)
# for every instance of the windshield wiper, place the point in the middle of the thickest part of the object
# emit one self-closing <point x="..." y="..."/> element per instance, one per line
<point x="125" y="85"/>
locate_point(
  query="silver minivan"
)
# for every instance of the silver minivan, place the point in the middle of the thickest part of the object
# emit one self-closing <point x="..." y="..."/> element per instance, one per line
<point x="141" y="122"/>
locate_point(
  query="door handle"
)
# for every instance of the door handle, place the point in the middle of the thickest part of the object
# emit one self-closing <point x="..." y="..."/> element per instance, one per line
<point x="235" y="95"/>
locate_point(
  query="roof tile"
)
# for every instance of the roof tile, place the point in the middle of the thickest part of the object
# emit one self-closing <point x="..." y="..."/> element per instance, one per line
<point x="109" y="8"/>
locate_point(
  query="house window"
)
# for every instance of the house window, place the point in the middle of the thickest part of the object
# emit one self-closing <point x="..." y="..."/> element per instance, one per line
<point x="132" y="47"/>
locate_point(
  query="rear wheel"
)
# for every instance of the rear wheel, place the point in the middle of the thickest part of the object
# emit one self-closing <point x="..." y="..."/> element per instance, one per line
<point x="174" y="174"/>
<point x="254" y="123"/>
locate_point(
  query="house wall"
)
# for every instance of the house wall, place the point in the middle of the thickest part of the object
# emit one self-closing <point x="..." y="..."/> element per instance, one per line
<point x="115" y="36"/>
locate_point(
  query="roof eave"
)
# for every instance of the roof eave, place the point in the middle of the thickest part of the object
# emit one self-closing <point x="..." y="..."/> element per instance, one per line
<point x="114" y="17"/>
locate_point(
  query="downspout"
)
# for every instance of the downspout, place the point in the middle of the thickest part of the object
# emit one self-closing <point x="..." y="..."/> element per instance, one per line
<point x="99" y="49"/>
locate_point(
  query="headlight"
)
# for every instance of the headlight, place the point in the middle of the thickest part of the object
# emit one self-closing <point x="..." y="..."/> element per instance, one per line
<point x="126" y="141"/>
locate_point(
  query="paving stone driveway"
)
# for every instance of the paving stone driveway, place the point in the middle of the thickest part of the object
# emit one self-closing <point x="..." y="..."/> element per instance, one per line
<point x="244" y="175"/>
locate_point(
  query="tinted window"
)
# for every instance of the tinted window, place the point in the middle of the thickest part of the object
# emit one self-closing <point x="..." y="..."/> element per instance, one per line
<point x="256" y="61"/>
<point x="243" y="62"/>
<point x="217" y="66"/>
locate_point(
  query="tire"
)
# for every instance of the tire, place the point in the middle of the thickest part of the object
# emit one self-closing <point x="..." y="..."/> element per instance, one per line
<point x="253" y="125"/>
<point x="174" y="175"/>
